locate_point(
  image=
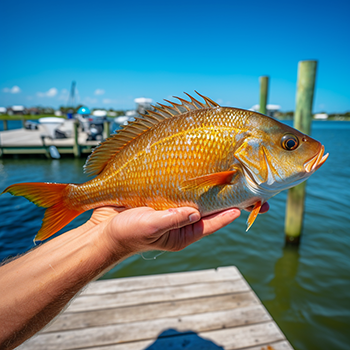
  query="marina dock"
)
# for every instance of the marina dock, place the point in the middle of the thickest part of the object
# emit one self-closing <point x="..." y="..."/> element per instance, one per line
<point x="208" y="309"/>
<point x="24" y="141"/>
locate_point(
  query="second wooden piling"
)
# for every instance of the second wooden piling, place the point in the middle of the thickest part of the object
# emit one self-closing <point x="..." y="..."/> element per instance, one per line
<point x="106" y="129"/>
<point x="264" y="90"/>
<point x="302" y="122"/>
<point x="76" y="146"/>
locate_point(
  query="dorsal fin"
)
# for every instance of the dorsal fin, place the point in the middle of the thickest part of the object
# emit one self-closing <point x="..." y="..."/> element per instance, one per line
<point x="103" y="153"/>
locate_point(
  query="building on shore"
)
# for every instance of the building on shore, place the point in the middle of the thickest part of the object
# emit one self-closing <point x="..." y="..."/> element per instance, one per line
<point x="271" y="109"/>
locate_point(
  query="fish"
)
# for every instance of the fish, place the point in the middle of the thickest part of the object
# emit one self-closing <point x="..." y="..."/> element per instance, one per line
<point x="192" y="152"/>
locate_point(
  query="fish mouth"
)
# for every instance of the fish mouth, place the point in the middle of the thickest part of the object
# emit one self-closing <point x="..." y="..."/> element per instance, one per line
<point x="314" y="163"/>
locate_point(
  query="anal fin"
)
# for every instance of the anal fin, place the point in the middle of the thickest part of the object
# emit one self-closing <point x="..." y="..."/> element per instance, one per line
<point x="254" y="213"/>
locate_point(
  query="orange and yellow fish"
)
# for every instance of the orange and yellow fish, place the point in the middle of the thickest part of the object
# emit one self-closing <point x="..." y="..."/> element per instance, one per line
<point x="191" y="153"/>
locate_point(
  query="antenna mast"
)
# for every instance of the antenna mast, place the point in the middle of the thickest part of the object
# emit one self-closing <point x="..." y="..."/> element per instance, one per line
<point x="71" y="99"/>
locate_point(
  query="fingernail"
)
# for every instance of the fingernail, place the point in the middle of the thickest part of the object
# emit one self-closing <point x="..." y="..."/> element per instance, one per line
<point x="194" y="217"/>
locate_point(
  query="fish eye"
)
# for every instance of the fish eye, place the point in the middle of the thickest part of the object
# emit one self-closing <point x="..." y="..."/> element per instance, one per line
<point x="289" y="142"/>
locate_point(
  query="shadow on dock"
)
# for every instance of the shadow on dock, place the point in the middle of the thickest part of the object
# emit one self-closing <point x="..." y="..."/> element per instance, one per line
<point x="173" y="339"/>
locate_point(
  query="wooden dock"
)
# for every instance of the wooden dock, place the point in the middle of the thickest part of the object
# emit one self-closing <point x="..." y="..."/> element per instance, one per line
<point x="208" y="309"/>
<point x="23" y="141"/>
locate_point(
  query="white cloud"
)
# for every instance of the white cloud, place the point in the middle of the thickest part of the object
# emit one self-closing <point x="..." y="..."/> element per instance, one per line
<point x="49" y="93"/>
<point x="14" y="90"/>
<point x="52" y="92"/>
<point x="99" y="92"/>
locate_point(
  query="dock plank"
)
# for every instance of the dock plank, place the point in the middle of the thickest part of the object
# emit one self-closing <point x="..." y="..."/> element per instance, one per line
<point x="226" y="273"/>
<point x="151" y="311"/>
<point x="209" y="309"/>
<point x="96" y="302"/>
<point x="127" y="332"/>
<point x="190" y="342"/>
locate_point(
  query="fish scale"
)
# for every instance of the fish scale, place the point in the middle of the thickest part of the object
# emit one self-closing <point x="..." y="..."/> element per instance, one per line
<point x="156" y="166"/>
<point x="190" y="154"/>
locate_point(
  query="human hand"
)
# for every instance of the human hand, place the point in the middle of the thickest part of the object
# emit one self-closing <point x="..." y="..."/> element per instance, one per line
<point x="142" y="229"/>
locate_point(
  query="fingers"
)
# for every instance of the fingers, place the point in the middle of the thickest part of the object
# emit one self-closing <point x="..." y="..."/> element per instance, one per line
<point x="138" y="228"/>
<point x="205" y="227"/>
<point x="185" y="233"/>
<point x="215" y="222"/>
<point x="143" y="229"/>
<point x="166" y="220"/>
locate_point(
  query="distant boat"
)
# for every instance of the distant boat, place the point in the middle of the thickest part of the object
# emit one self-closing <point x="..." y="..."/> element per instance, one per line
<point x="92" y="123"/>
<point x="57" y="128"/>
<point x="125" y="119"/>
<point x="50" y="125"/>
<point x="142" y="105"/>
<point x="270" y="109"/>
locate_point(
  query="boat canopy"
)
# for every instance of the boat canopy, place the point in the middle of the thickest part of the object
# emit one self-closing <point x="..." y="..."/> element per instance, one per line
<point x="84" y="110"/>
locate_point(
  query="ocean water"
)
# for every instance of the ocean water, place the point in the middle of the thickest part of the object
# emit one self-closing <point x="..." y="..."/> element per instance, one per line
<point x="306" y="290"/>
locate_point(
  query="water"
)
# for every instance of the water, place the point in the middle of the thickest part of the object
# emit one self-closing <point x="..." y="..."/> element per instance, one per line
<point x="305" y="290"/>
<point x="11" y="124"/>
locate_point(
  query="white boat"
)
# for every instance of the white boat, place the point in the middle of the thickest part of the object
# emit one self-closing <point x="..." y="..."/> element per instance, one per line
<point x="50" y="124"/>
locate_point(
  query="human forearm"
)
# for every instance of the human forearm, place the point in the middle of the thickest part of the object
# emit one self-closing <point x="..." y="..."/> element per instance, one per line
<point x="37" y="286"/>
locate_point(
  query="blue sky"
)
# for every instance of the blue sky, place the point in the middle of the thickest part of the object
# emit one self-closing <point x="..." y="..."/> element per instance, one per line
<point x="119" y="50"/>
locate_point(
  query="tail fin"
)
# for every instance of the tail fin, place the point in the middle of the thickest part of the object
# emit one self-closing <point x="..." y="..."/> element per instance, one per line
<point x="50" y="196"/>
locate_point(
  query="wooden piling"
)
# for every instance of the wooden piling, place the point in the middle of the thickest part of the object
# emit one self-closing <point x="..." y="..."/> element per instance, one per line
<point x="76" y="146"/>
<point x="264" y="89"/>
<point x="5" y="124"/>
<point x="302" y="122"/>
<point x="106" y="129"/>
<point x="47" y="152"/>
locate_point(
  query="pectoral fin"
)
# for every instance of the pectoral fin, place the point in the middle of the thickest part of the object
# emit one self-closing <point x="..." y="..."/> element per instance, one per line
<point x="215" y="179"/>
<point x="254" y="213"/>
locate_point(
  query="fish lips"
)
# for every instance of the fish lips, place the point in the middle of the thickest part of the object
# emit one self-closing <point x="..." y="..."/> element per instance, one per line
<point x="315" y="163"/>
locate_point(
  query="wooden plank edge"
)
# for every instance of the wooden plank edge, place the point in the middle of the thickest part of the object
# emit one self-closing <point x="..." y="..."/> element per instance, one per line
<point x="145" y="344"/>
<point x="237" y="337"/>
<point x="140" y="297"/>
<point x="124" y="284"/>
<point x="135" y="313"/>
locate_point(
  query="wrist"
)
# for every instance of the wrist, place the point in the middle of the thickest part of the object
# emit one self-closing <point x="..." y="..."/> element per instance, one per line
<point x="109" y="249"/>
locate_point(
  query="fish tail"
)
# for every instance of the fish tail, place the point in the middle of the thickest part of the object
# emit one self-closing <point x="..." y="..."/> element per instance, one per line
<point x="47" y="195"/>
